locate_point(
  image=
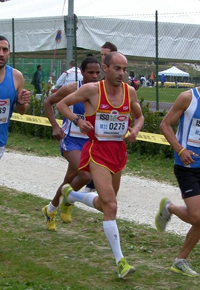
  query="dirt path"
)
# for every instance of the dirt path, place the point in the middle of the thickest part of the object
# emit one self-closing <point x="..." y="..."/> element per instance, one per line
<point x="138" y="199"/>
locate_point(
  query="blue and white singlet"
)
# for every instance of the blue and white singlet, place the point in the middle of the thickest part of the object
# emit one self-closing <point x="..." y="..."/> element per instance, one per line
<point x="74" y="139"/>
<point x="188" y="133"/>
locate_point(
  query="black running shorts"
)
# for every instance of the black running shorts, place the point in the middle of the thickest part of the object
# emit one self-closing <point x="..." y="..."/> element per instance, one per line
<point x="188" y="180"/>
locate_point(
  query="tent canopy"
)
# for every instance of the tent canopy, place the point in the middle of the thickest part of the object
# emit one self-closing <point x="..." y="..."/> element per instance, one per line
<point x="174" y="72"/>
<point x="35" y="26"/>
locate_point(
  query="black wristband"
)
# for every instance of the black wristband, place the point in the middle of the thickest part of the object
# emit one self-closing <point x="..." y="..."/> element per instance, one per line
<point x="20" y="104"/>
<point x="75" y="121"/>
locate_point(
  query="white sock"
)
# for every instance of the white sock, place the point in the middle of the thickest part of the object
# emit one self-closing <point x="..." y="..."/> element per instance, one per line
<point x="84" y="197"/>
<point x="51" y="207"/>
<point x="178" y="260"/>
<point x="167" y="208"/>
<point x="112" y="233"/>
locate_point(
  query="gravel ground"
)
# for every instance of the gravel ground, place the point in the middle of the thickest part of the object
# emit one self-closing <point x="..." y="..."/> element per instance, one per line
<point x="138" y="198"/>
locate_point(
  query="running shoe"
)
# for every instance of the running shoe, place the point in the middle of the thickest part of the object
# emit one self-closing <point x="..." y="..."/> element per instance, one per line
<point x="66" y="211"/>
<point x="124" y="268"/>
<point x="66" y="189"/>
<point x="163" y="216"/>
<point x="50" y="218"/>
<point x="183" y="268"/>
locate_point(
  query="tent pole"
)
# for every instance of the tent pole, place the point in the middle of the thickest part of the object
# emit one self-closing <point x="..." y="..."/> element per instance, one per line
<point x="13" y="41"/>
<point x="156" y="36"/>
<point x="70" y="32"/>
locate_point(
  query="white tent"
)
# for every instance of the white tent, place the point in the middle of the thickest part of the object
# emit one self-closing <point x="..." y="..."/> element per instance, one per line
<point x="174" y="72"/>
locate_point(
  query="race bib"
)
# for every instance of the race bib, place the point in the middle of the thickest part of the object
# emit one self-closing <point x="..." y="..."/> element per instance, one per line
<point x="111" y="127"/>
<point x="4" y="110"/>
<point x="194" y="135"/>
<point x="75" y="130"/>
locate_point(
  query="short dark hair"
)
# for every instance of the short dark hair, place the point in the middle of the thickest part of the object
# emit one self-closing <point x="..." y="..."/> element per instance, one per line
<point x="72" y="62"/>
<point x="38" y="66"/>
<point x="89" y="59"/>
<point x="4" y="38"/>
<point x="110" y="46"/>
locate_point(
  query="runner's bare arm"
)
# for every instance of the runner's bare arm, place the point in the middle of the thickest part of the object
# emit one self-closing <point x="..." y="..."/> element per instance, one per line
<point x="84" y="94"/>
<point x="172" y="117"/>
<point x="58" y="133"/>
<point x="180" y="105"/>
<point x="23" y="96"/>
<point x="137" y="114"/>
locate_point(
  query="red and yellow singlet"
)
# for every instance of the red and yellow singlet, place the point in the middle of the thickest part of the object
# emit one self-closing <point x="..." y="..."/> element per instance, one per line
<point x="106" y="146"/>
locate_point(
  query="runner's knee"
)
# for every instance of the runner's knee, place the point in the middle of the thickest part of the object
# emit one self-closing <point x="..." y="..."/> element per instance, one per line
<point x="110" y="208"/>
<point x="195" y="219"/>
<point x="84" y="176"/>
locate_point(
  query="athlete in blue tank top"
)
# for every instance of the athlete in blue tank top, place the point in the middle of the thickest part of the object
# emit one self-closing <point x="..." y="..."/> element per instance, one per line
<point x="186" y="145"/>
<point x="74" y="139"/>
<point x="11" y="92"/>
<point x="71" y="140"/>
<point x="188" y="133"/>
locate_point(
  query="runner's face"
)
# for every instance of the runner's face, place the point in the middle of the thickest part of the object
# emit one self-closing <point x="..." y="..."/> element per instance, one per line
<point x="104" y="52"/>
<point x="116" y="70"/>
<point x="92" y="73"/>
<point x="4" y="53"/>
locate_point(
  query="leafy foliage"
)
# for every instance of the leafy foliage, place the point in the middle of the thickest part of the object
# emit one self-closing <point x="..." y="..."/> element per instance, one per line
<point x="36" y="108"/>
<point x="151" y="124"/>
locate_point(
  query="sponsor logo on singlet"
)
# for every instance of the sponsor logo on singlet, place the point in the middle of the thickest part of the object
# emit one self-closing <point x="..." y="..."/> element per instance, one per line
<point x="104" y="106"/>
<point x="125" y="108"/>
<point x="2" y="103"/>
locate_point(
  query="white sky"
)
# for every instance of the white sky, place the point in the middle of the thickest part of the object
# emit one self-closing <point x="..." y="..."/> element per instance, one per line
<point x="127" y="7"/>
<point x="189" y="9"/>
<point x="41" y="8"/>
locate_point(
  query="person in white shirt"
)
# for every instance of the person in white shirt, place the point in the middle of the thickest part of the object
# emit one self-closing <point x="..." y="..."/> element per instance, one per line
<point x="69" y="76"/>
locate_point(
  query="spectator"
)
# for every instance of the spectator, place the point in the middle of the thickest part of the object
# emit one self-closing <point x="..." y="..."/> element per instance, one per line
<point x="37" y="80"/>
<point x="151" y="83"/>
<point x="106" y="48"/>
<point x="143" y="81"/>
<point x="162" y="80"/>
<point x="133" y="81"/>
<point x="89" y="54"/>
<point x="69" y="76"/>
<point x="176" y="82"/>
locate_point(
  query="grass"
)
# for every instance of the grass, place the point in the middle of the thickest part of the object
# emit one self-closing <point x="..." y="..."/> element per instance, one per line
<point x="151" y="167"/>
<point x="77" y="256"/>
<point x="33" y="145"/>
<point x="29" y="87"/>
<point x="166" y="95"/>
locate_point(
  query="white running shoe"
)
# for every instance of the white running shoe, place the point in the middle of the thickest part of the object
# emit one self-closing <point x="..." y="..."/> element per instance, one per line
<point x="182" y="267"/>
